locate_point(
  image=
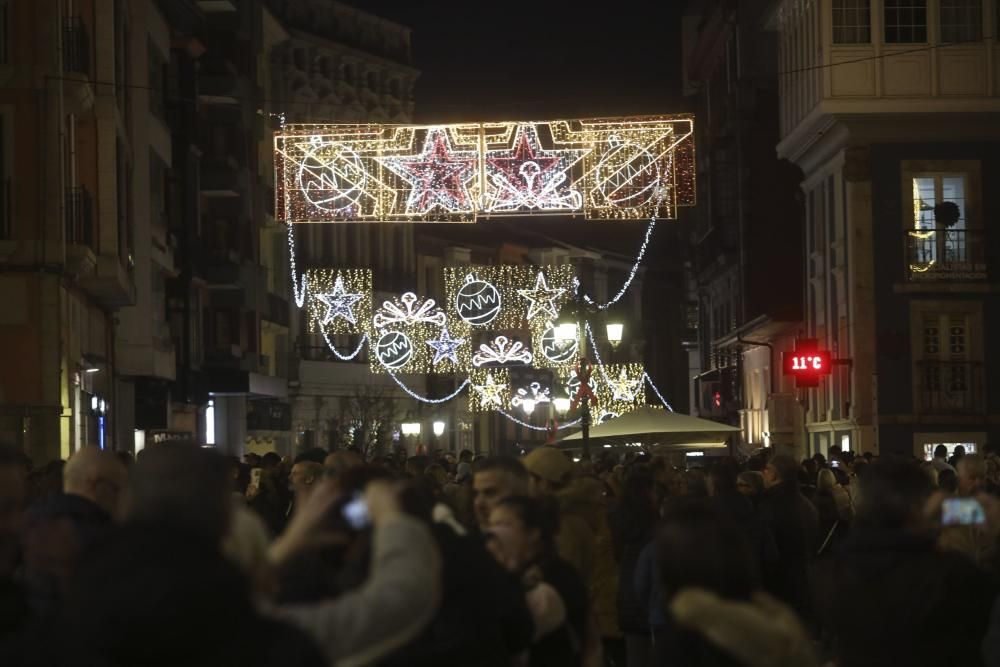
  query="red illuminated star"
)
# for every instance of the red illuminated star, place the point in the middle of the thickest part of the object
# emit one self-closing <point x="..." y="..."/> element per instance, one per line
<point x="438" y="175"/>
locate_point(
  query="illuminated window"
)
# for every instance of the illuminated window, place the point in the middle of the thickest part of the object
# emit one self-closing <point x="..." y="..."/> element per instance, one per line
<point x="961" y="20"/>
<point x="929" y="447"/>
<point x="210" y="423"/>
<point x="852" y="21"/>
<point x="905" y="21"/>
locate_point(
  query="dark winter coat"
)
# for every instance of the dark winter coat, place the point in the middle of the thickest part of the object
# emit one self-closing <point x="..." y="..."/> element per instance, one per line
<point x="794" y="523"/>
<point x="897" y="600"/>
<point x="630" y="533"/>
<point x="483" y="620"/>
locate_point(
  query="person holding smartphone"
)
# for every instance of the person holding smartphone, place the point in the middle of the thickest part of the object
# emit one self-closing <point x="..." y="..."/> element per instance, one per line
<point x="403" y="590"/>
<point x="967" y="524"/>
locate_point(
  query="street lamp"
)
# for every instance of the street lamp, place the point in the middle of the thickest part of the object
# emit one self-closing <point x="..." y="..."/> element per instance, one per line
<point x="615" y="330"/>
<point x="561" y="404"/>
<point x="438" y="427"/>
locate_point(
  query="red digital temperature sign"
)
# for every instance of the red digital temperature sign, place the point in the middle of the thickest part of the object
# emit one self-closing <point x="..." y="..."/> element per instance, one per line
<point x="807" y="363"/>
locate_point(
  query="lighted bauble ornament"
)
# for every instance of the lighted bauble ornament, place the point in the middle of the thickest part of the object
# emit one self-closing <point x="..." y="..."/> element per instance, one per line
<point x="477" y="301"/>
<point x="394" y="349"/>
<point x="555" y="350"/>
<point x="627" y="175"/>
<point x="331" y="177"/>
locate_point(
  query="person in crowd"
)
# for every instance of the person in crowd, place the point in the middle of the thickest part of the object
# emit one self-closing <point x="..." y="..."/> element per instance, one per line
<point x="272" y="500"/>
<point x="948" y="481"/>
<point x="633" y="518"/>
<point x="898" y="599"/>
<point x="338" y="462"/>
<point x="751" y="484"/>
<point x="551" y="473"/>
<point x="956" y="456"/>
<point x="699" y="545"/>
<point x="976" y="541"/>
<point x="60" y="528"/>
<point x="794" y="523"/>
<point x="398" y="599"/>
<point x="722" y="481"/>
<point x="483" y="619"/>
<point x="833" y="505"/>
<point x="305" y="476"/>
<point x="762" y="632"/>
<point x="807" y="479"/>
<point x="940" y="460"/>
<point x="168" y="551"/>
<point x="494" y="479"/>
<point x="583" y="539"/>
<point x="522" y="533"/>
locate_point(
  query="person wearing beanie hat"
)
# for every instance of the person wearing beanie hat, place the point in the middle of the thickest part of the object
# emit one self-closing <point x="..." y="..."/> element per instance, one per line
<point x="549" y="466"/>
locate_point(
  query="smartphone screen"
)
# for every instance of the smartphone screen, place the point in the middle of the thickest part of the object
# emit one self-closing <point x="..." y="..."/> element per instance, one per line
<point x="962" y="512"/>
<point x="355" y="513"/>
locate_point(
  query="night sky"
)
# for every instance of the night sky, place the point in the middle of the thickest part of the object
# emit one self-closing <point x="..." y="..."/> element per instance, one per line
<point x="554" y="59"/>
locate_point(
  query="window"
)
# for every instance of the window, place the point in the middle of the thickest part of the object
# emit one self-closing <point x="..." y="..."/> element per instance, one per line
<point x="852" y="21"/>
<point x="157" y="73"/>
<point x="905" y="21"/>
<point x="929" y="447"/>
<point x="961" y="20"/>
<point x="210" y="423"/>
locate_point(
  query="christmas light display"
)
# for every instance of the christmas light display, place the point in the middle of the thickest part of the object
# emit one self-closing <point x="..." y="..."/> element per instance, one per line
<point x="618" y="387"/>
<point x="530" y="397"/>
<point x="502" y="352"/>
<point x="528" y="177"/>
<point x="541" y="299"/>
<point x="393" y="350"/>
<point x="490" y="389"/>
<point x="438" y="176"/>
<point x="444" y="347"/>
<point x="424" y="399"/>
<point x="409" y="310"/>
<point x="624" y="168"/>
<point x="506" y="298"/>
<point x="477" y="302"/>
<point x="339" y="301"/>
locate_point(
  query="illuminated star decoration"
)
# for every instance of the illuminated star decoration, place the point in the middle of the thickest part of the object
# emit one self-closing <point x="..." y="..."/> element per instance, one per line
<point x="409" y="312"/>
<point x="437" y="176"/>
<point x="503" y="351"/>
<point x="623" y="388"/>
<point x="490" y="392"/>
<point x="339" y="303"/>
<point x="444" y="347"/>
<point x="541" y="297"/>
<point x="528" y="176"/>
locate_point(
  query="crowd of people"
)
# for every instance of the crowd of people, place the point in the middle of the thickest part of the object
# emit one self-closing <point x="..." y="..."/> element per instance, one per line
<point x="186" y="557"/>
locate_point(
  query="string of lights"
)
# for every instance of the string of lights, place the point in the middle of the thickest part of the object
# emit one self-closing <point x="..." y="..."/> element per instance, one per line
<point x="635" y="266"/>
<point x="525" y="424"/>
<point x="657" y="392"/>
<point x="298" y="292"/>
<point x="349" y="356"/>
<point x="424" y="399"/>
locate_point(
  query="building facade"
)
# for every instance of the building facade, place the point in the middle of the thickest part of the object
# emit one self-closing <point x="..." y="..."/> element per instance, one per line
<point x="891" y="110"/>
<point x="747" y="252"/>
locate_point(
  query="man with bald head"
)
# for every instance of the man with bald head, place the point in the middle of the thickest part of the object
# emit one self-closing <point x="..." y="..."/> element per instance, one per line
<point x="60" y="528"/>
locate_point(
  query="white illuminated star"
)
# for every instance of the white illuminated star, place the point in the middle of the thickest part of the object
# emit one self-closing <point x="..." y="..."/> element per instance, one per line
<point x="444" y="347"/>
<point x="491" y="392"/>
<point x="541" y="297"/>
<point x="624" y="388"/>
<point x="339" y="303"/>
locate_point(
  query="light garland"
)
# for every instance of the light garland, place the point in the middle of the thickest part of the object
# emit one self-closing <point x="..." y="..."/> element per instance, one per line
<point x="338" y="301"/>
<point x="603" y="168"/>
<point x="618" y="387"/>
<point x="530" y="397"/>
<point x="560" y="427"/>
<point x="424" y="399"/>
<point x="350" y="355"/>
<point x="298" y="292"/>
<point x="657" y="392"/>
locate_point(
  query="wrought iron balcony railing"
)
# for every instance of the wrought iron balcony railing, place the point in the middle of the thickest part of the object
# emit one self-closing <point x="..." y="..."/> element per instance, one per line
<point x="945" y="254"/>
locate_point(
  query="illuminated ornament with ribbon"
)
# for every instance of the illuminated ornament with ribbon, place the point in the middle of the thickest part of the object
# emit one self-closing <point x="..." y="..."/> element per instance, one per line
<point x="503" y="351"/>
<point x="583" y="372"/>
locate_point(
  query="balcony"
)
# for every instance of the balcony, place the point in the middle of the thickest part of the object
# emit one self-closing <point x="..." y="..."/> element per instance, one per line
<point x="943" y="254"/>
<point x="76" y="46"/>
<point x="79" y="217"/>
<point x="950" y="388"/>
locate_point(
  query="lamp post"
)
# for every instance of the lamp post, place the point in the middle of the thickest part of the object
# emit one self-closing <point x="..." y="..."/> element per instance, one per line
<point x="568" y="331"/>
<point x="410" y="429"/>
